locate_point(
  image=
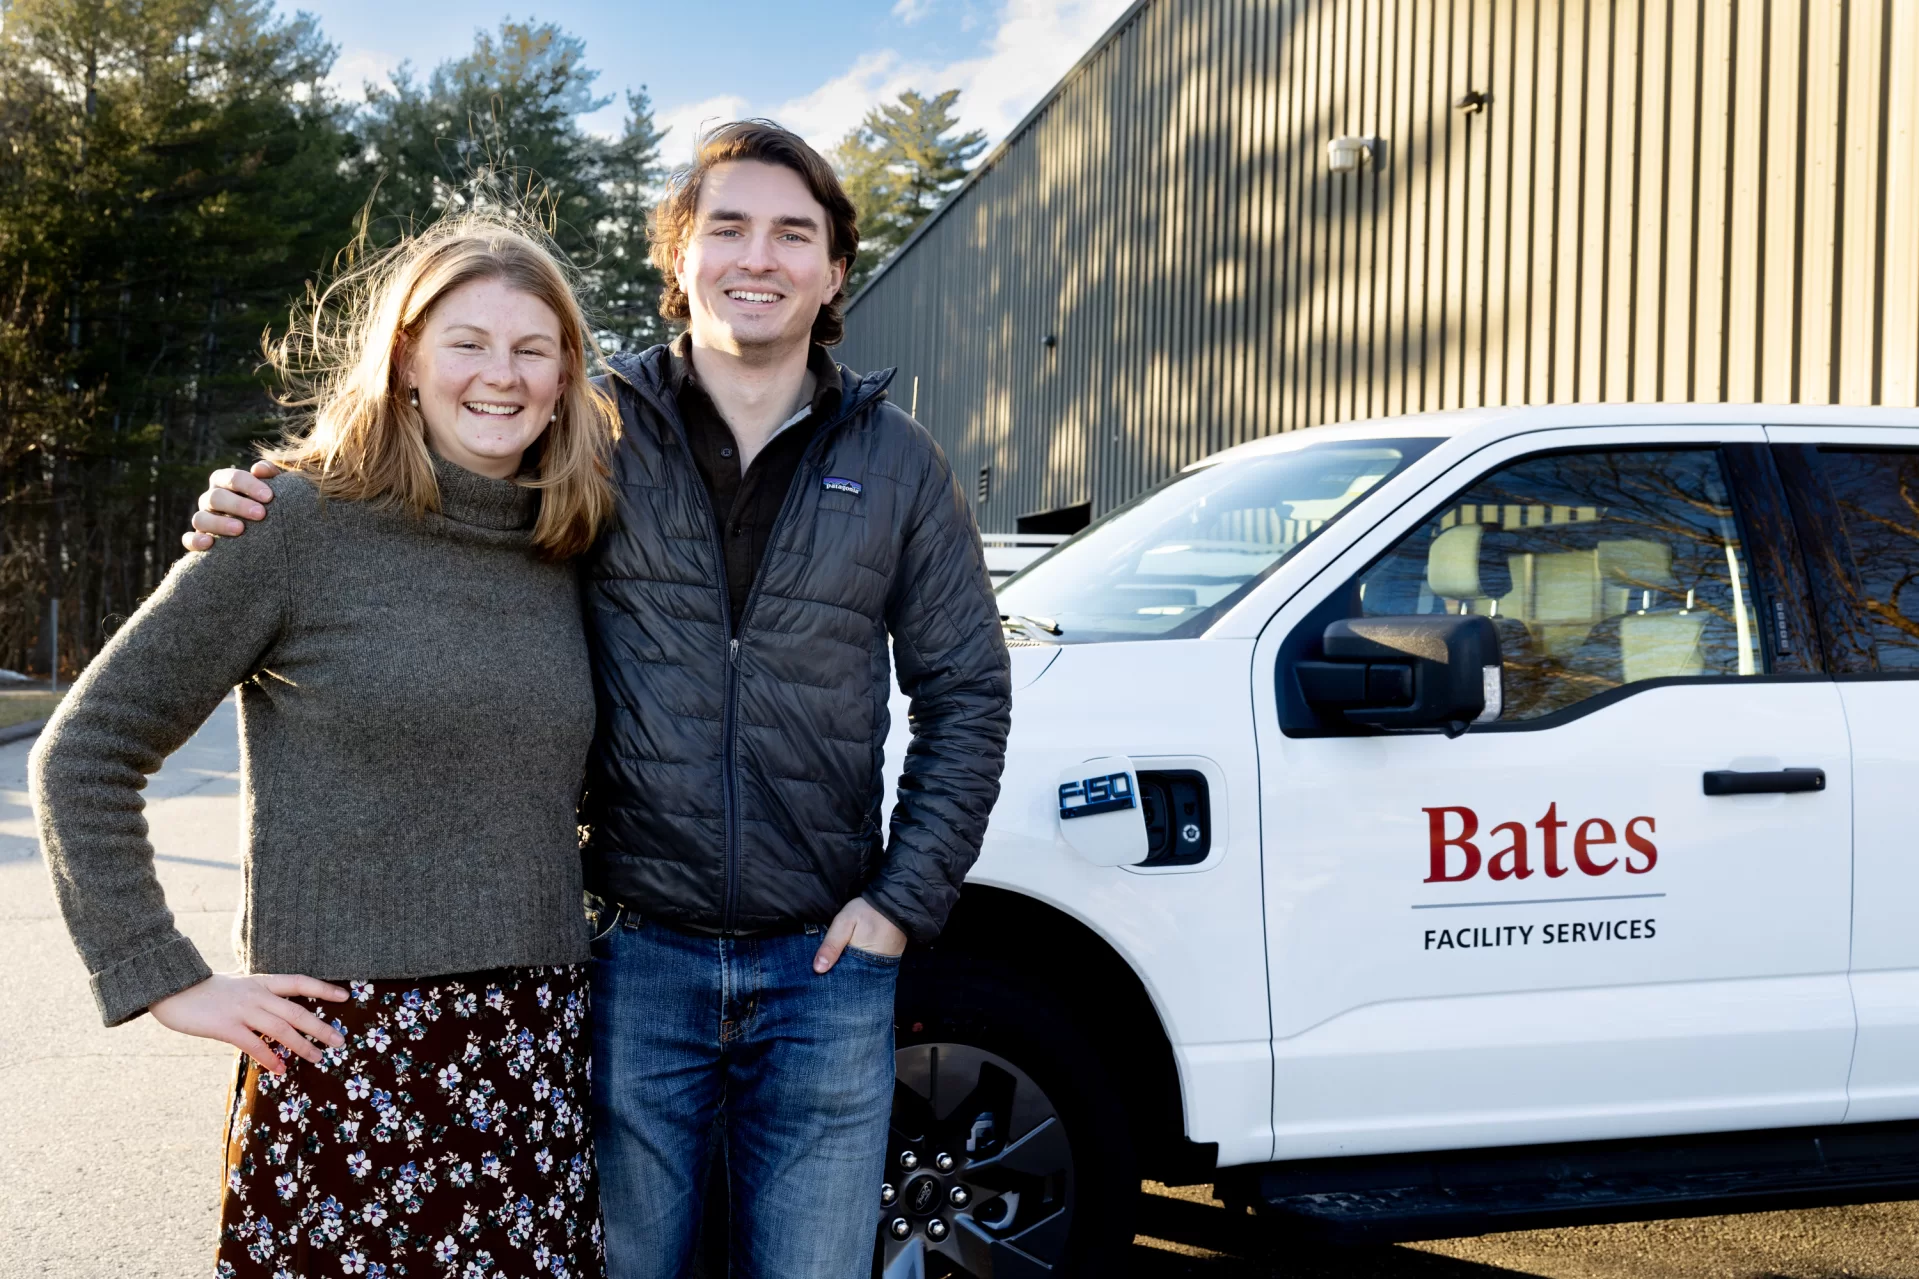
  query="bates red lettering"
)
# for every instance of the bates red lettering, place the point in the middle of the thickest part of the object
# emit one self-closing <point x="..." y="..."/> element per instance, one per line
<point x="1596" y="831"/>
<point x="1640" y="844"/>
<point x="1468" y="827"/>
<point x="1455" y="857"/>
<point x="1510" y="861"/>
<point x="1550" y="826"/>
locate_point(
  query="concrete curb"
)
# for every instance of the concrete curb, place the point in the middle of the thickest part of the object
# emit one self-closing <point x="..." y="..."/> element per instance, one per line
<point x="20" y="732"/>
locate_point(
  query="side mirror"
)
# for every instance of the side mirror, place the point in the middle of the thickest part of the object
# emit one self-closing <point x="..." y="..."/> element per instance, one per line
<point x="1407" y="672"/>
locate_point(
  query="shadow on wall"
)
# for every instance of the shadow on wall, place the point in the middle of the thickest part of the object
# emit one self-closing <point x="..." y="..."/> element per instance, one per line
<point x="1610" y="224"/>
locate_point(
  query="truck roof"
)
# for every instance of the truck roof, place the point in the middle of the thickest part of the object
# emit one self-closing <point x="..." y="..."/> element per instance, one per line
<point x="1502" y="421"/>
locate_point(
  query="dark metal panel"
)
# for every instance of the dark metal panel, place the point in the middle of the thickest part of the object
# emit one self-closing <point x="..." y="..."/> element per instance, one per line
<point x="1400" y="177"/>
<point x="1500" y="193"/>
<point x="1643" y="285"/>
<point x="1617" y="222"/>
<point x="1896" y="336"/>
<point x="1477" y="145"/>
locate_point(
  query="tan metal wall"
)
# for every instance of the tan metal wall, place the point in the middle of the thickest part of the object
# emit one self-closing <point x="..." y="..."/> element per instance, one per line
<point x="1688" y="200"/>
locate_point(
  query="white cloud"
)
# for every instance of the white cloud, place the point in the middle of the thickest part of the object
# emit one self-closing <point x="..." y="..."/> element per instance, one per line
<point x="911" y="11"/>
<point x="829" y="112"/>
<point x="353" y="70"/>
<point x="1037" y="42"/>
<point x="1034" y="43"/>
<point x="683" y="123"/>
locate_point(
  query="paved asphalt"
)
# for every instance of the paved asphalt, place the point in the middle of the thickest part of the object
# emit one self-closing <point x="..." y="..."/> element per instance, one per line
<point x="110" y="1139"/>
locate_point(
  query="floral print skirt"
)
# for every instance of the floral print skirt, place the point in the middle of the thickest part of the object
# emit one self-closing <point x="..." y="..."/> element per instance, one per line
<point x="450" y="1137"/>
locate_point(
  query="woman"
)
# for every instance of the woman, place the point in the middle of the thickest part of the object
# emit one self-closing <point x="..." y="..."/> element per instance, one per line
<point x="415" y="711"/>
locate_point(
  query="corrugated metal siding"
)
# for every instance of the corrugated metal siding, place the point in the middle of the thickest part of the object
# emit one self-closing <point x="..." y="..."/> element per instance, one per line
<point x="1692" y="200"/>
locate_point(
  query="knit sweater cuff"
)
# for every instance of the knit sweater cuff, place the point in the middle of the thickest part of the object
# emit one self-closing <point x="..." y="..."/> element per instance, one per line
<point x="125" y="990"/>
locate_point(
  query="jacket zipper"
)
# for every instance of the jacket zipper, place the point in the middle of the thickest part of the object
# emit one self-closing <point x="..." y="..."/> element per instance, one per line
<point x="730" y="787"/>
<point x="729" y="713"/>
<point x="729" y="804"/>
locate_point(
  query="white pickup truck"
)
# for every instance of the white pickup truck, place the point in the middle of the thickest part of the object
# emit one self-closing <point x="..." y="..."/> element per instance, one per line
<point x="1437" y="825"/>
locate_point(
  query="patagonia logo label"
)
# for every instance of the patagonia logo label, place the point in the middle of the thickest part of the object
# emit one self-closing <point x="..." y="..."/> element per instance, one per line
<point x="834" y="484"/>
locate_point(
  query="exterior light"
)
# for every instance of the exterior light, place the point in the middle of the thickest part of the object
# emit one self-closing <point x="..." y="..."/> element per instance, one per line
<point x="1348" y="155"/>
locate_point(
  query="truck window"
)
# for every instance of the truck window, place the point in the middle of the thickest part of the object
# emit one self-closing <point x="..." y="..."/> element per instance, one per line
<point x="1168" y="563"/>
<point x="1598" y="569"/>
<point x="1876" y="495"/>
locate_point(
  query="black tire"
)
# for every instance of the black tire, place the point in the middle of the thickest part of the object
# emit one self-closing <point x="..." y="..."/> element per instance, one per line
<point x="989" y="1059"/>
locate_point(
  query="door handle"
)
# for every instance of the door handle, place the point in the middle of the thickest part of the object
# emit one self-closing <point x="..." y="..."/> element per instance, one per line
<point x="1786" y="781"/>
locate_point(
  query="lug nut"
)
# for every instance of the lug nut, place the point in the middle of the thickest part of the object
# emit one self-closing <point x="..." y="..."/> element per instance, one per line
<point x="936" y="1230"/>
<point x="888" y="1195"/>
<point x="959" y="1196"/>
<point x="900" y="1228"/>
<point x="909" y="1160"/>
<point x="944" y="1162"/>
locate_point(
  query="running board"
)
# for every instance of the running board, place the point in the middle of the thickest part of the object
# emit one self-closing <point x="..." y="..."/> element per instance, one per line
<point x="1443" y="1195"/>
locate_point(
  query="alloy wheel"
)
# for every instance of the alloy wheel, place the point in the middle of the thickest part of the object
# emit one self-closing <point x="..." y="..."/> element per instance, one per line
<point x="979" y="1171"/>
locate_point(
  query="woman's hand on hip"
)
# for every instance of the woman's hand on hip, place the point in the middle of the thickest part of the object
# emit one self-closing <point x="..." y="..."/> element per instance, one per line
<point x="239" y="1010"/>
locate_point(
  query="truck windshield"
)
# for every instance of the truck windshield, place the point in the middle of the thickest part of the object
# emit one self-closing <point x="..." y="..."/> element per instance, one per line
<point x="1168" y="563"/>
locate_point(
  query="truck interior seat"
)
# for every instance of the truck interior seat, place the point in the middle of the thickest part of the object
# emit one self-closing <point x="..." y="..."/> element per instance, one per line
<point x="1658" y="634"/>
<point x="1605" y="614"/>
<point x="1472" y="564"/>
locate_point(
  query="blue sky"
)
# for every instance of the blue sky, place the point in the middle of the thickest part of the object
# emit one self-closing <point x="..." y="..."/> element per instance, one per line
<point x="815" y="67"/>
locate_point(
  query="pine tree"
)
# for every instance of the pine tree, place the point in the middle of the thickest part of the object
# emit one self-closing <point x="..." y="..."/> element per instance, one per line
<point x="173" y="174"/>
<point x="168" y="178"/>
<point x="626" y="283"/>
<point x="898" y="166"/>
<point x="501" y="126"/>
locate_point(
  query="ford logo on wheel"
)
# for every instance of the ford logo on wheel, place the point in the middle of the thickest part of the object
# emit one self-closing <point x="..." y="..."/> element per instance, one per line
<point x="923" y="1195"/>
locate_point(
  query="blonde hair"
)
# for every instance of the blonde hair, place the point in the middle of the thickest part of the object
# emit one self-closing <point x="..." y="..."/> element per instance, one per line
<point x="364" y="441"/>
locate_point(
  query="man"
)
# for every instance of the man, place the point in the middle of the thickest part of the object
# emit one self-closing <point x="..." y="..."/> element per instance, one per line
<point x="779" y="519"/>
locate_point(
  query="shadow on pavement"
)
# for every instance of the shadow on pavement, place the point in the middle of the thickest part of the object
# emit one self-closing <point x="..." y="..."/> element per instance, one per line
<point x="1216" y="1243"/>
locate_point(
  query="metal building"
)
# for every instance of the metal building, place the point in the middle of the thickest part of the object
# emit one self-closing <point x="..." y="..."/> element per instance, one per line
<point x="1556" y="200"/>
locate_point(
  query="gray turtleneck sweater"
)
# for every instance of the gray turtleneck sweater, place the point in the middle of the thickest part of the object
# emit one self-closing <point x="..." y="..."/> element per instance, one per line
<point x="415" y="712"/>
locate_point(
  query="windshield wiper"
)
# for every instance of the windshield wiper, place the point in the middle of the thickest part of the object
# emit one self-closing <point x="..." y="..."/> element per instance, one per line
<point x="1021" y="620"/>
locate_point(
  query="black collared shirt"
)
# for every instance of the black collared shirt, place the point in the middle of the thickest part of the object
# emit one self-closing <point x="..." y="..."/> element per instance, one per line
<point x="746" y="505"/>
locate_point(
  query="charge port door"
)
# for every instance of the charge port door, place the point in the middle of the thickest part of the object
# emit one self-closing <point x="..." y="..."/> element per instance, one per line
<point x="1178" y="817"/>
<point x="1161" y="816"/>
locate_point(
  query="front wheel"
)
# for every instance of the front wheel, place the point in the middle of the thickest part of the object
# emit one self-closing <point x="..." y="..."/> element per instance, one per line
<point x="1010" y="1153"/>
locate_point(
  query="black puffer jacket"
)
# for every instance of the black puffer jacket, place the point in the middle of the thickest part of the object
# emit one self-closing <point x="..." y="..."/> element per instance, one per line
<point x="738" y="784"/>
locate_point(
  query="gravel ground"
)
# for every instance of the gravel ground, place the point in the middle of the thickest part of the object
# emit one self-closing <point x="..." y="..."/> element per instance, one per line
<point x="109" y="1140"/>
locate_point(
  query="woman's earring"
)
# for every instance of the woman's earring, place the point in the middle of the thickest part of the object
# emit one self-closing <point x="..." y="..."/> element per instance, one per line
<point x="414" y="393"/>
<point x="552" y="417"/>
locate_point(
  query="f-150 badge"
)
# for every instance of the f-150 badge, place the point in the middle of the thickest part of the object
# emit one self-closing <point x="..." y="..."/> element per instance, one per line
<point x="1091" y="795"/>
<point x="1100" y="817"/>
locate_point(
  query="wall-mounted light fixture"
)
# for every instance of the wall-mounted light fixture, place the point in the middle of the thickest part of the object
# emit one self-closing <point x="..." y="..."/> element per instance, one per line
<point x="1349" y="155"/>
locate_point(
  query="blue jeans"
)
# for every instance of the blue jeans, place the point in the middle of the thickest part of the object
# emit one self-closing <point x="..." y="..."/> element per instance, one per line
<point x="801" y="1064"/>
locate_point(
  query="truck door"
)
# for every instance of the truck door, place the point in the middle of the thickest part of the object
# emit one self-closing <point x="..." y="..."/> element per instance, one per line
<point x="1855" y="495"/>
<point x="1619" y="909"/>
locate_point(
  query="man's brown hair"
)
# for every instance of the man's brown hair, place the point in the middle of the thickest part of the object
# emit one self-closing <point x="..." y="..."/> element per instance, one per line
<point x="767" y="143"/>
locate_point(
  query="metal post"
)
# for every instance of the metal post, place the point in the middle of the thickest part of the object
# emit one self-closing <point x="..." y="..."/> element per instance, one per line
<point x="53" y="651"/>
